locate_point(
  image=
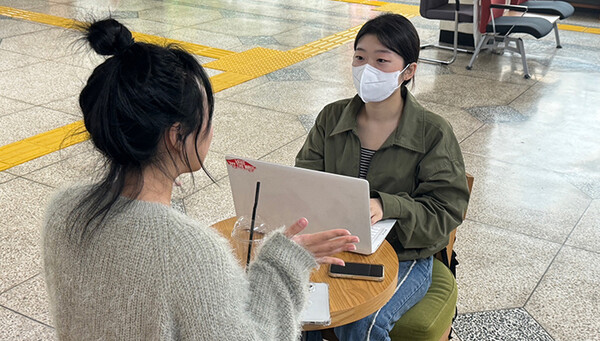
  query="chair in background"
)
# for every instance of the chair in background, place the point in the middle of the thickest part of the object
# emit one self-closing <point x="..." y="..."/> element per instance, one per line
<point x="562" y="9"/>
<point x="431" y="319"/>
<point x="497" y="26"/>
<point x="442" y="10"/>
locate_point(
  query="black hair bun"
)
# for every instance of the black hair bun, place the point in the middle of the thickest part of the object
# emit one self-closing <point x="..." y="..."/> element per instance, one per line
<point x="109" y="37"/>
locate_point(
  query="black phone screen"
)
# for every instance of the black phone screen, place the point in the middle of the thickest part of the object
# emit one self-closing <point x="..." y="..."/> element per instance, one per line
<point x="358" y="269"/>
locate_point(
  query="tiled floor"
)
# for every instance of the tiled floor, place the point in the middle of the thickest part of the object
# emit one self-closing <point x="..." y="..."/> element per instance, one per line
<point x="530" y="249"/>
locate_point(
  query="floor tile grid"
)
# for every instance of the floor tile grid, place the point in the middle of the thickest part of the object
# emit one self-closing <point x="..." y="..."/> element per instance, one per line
<point x="571" y="228"/>
<point x="558" y="252"/>
<point x="523" y="164"/>
<point x="471" y="134"/>
<point x="25" y="316"/>
<point x="271" y="12"/>
<point x="541" y="278"/>
<point x="51" y="19"/>
<point x="20" y="104"/>
<point x="497" y="324"/>
<point x="17" y="284"/>
<point x="509" y="103"/>
<point x="41" y="58"/>
<point x="566" y="300"/>
<point x="523" y="326"/>
<point x="70" y="24"/>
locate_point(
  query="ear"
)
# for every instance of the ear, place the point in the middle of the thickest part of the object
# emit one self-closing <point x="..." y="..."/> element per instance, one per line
<point x="410" y="72"/>
<point x="174" y="138"/>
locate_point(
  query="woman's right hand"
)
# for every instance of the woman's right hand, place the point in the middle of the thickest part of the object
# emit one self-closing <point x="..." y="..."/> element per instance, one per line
<point x="322" y="244"/>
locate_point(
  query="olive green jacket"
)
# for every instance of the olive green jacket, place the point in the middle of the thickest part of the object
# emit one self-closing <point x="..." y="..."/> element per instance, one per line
<point x="418" y="173"/>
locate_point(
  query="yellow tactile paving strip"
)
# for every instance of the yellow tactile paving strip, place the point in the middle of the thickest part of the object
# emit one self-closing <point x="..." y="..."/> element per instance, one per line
<point x="260" y="61"/>
<point x="226" y="80"/>
<point x="256" y="62"/>
<point x="327" y="43"/>
<point x="237" y="67"/>
<point x="201" y="50"/>
<point x="39" y="145"/>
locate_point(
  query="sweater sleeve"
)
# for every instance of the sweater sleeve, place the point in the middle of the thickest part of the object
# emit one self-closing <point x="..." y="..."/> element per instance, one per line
<point x="211" y="299"/>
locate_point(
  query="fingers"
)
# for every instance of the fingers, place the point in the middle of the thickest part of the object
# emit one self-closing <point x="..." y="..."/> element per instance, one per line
<point x="321" y="237"/>
<point x="296" y="228"/>
<point x="322" y="244"/>
<point x="334" y="246"/>
<point x="331" y="260"/>
<point x="374" y="219"/>
<point x="376" y="210"/>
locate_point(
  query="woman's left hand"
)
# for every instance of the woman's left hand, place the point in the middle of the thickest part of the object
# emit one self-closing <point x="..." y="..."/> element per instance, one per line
<point x="376" y="210"/>
<point x="322" y="244"/>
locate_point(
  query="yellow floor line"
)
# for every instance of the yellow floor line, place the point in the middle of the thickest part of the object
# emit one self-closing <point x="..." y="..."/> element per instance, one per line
<point x="576" y="28"/>
<point x="571" y="27"/>
<point x="409" y="11"/>
<point x="364" y="2"/>
<point x="592" y="30"/>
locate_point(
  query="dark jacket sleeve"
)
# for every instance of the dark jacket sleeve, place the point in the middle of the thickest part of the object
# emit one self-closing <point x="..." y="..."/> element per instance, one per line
<point x="437" y="205"/>
<point x="311" y="156"/>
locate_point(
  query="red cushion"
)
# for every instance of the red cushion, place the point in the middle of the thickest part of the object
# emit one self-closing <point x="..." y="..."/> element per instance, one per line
<point x="485" y="13"/>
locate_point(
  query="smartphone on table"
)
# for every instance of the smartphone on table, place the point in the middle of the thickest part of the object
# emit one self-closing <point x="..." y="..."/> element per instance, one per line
<point x="316" y="310"/>
<point x="370" y="272"/>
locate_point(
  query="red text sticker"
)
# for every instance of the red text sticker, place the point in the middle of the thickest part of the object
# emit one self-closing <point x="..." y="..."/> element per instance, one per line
<point x="241" y="164"/>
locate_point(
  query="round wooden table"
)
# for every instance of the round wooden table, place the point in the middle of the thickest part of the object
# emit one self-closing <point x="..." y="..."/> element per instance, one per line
<point x="349" y="299"/>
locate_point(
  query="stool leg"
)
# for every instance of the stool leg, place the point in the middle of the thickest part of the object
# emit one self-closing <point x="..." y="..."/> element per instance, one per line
<point x="482" y="42"/>
<point x="558" y="46"/>
<point x="523" y="58"/>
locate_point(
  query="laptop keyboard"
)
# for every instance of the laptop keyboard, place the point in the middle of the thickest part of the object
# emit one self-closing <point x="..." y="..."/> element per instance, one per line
<point x="376" y="232"/>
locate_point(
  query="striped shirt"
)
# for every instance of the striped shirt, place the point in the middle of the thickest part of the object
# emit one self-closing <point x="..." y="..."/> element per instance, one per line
<point x="365" y="161"/>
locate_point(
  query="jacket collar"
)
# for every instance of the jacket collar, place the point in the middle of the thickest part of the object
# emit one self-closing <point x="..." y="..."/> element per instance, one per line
<point x="410" y="131"/>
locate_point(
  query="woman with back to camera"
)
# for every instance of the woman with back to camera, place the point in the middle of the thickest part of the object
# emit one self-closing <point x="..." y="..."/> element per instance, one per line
<point x="119" y="262"/>
<point x="409" y="155"/>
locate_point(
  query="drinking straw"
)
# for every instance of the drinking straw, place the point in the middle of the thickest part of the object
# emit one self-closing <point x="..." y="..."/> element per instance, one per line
<point x="253" y="221"/>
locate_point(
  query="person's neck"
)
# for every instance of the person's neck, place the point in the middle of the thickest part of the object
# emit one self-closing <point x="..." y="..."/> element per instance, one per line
<point x="389" y="109"/>
<point x="156" y="187"/>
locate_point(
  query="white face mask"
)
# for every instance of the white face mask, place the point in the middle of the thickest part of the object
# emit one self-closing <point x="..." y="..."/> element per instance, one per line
<point x="374" y="85"/>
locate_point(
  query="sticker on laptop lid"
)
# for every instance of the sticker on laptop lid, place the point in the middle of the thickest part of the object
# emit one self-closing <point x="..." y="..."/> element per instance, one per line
<point x="241" y="164"/>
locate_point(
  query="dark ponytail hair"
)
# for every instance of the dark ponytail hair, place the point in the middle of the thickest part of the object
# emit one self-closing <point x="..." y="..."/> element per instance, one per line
<point x="396" y="33"/>
<point x="129" y="103"/>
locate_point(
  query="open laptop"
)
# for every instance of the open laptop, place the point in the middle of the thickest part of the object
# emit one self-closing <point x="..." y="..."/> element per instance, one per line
<point x="327" y="200"/>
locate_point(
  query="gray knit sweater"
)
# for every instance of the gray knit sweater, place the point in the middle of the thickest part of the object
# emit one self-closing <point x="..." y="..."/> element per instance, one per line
<point x="152" y="273"/>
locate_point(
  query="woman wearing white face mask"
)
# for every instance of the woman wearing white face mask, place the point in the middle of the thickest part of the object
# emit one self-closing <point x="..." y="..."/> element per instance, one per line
<point x="409" y="155"/>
